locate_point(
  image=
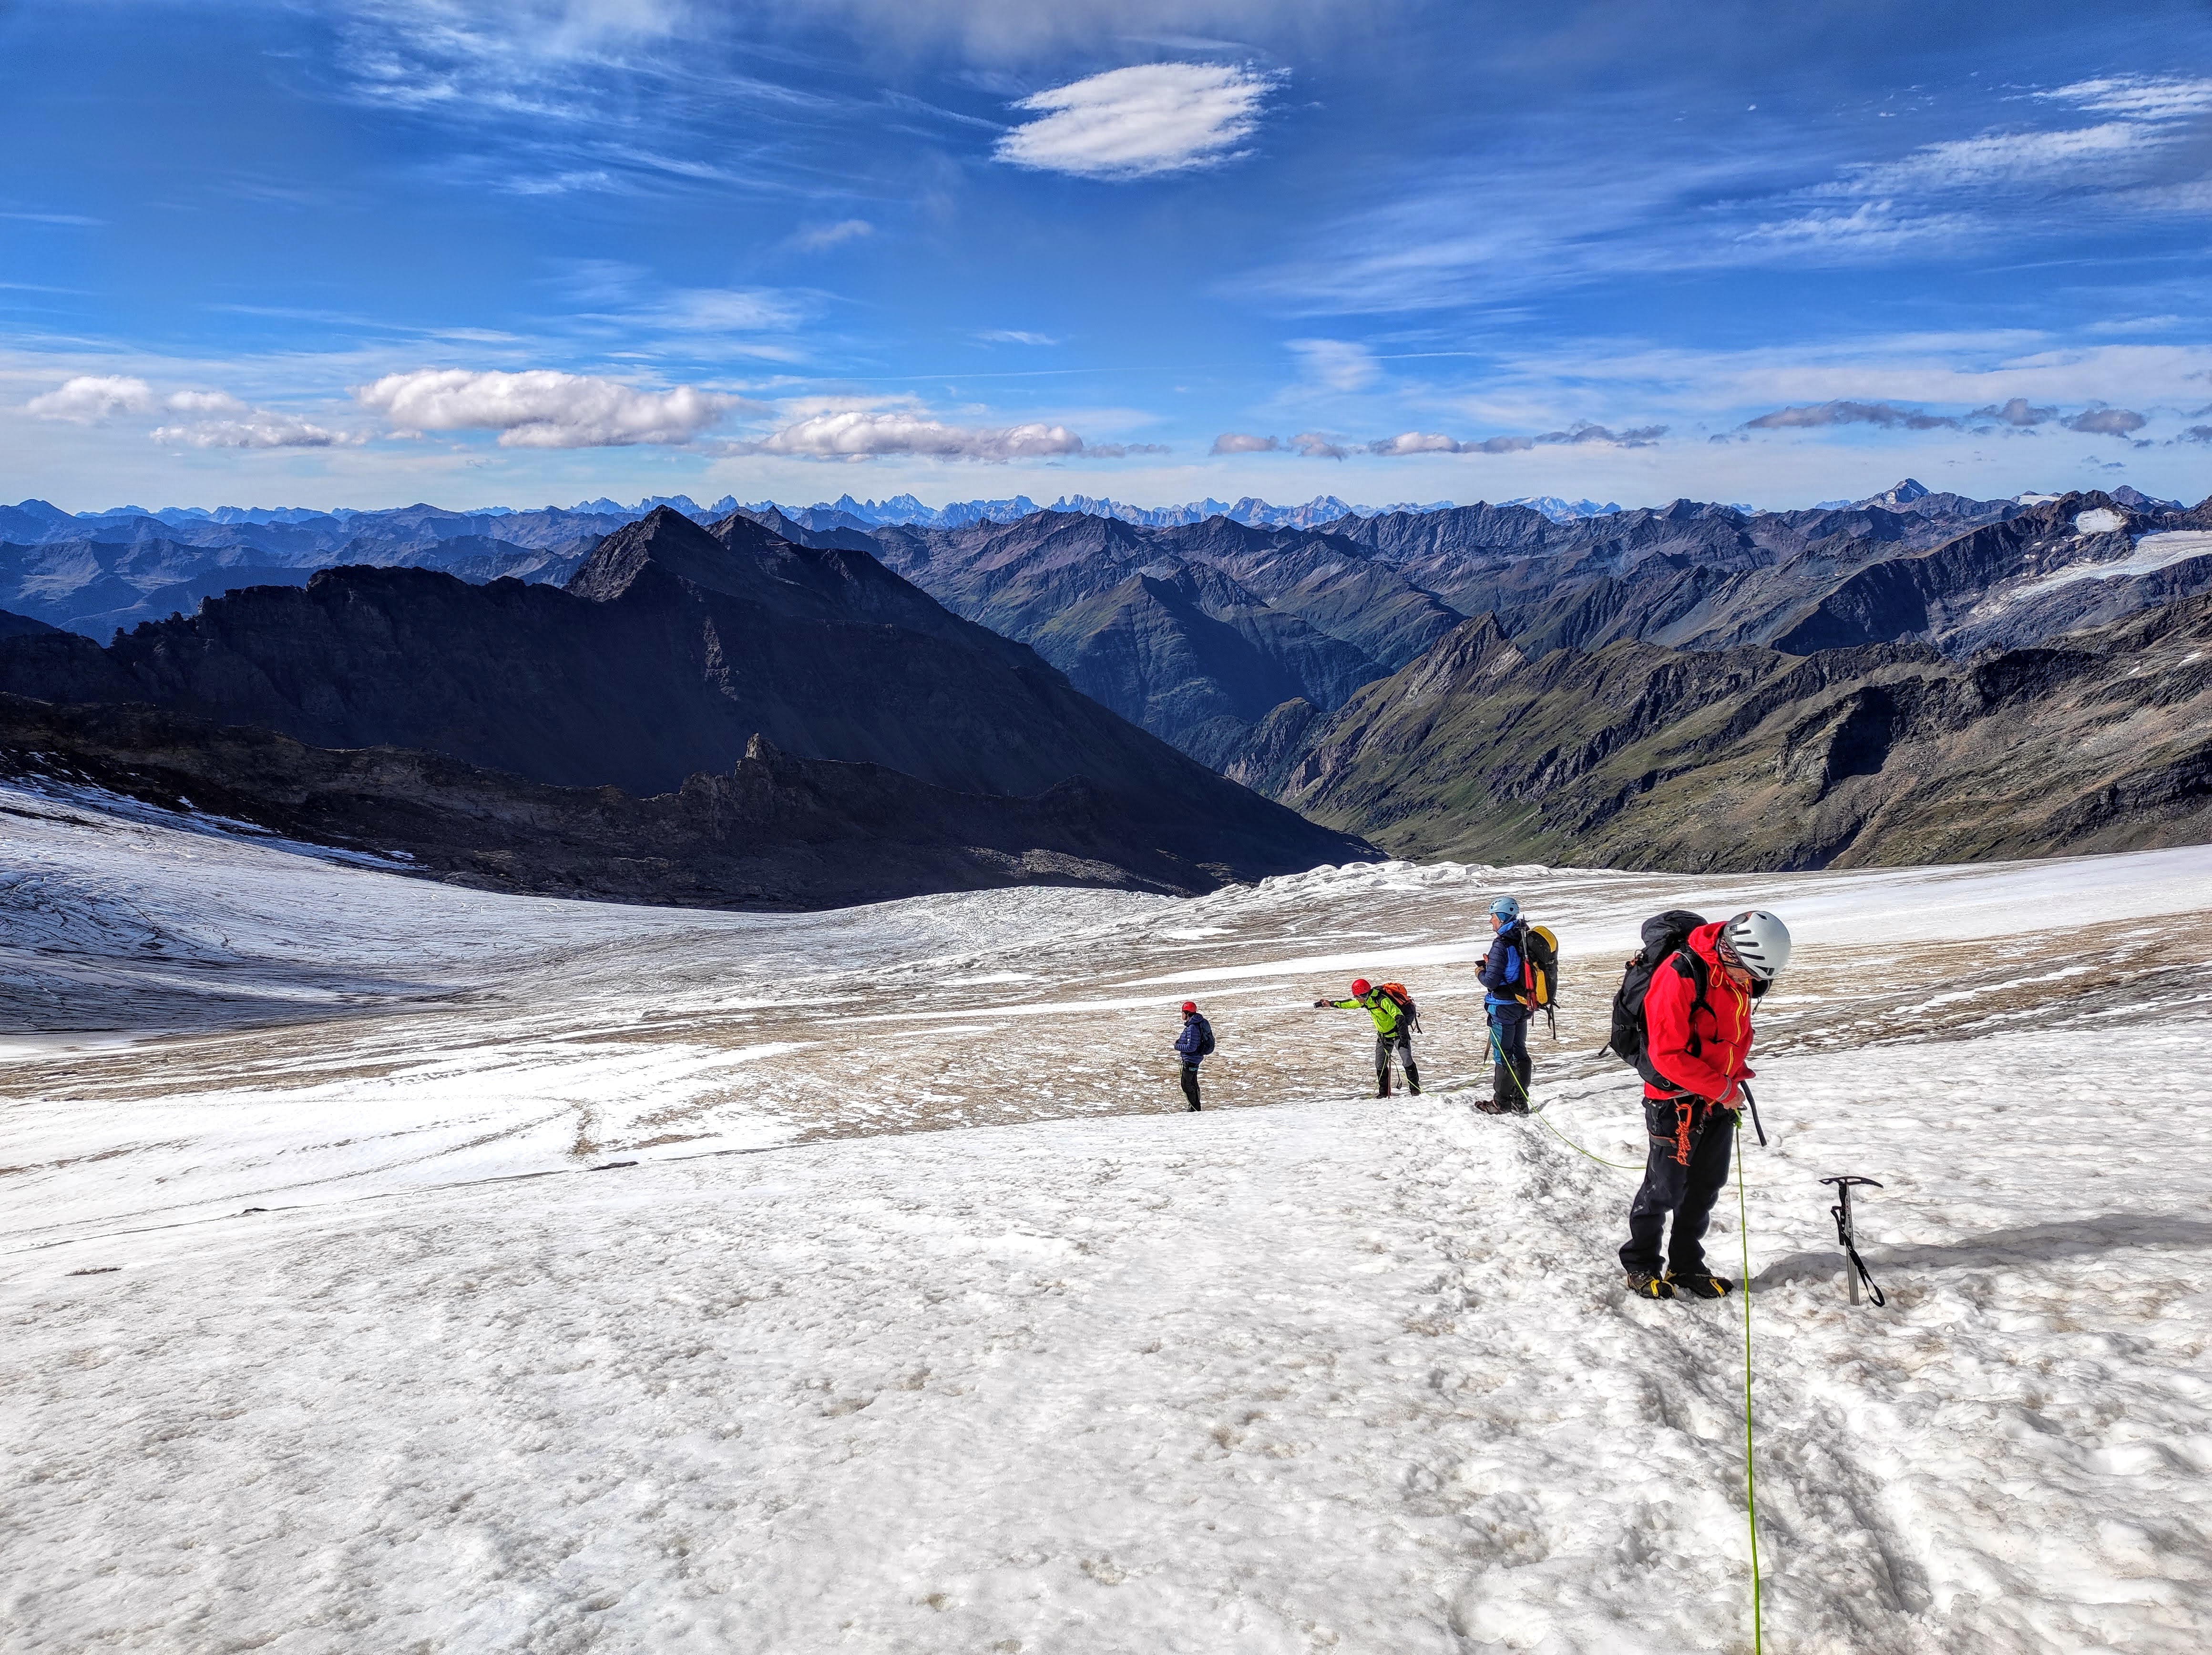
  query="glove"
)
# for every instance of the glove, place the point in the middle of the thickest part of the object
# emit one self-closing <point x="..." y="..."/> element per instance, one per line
<point x="1321" y="1005"/>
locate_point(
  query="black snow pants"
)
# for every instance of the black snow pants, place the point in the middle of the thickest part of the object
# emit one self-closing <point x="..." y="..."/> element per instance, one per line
<point x="1403" y="1043"/>
<point x="1190" y="1084"/>
<point x="1510" y="1068"/>
<point x="1669" y="1187"/>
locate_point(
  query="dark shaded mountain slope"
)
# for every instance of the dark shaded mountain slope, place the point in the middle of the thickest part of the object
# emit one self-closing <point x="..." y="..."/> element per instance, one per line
<point x="1637" y="755"/>
<point x="670" y="650"/>
<point x="775" y="831"/>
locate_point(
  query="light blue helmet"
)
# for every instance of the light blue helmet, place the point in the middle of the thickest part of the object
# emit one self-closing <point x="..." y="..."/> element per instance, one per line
<point x="1505" y="908"/>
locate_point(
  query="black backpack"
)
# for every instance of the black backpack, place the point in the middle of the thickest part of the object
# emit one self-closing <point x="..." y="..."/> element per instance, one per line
<point x="1204" y="1038"/>
<point x="1664" y="937"/>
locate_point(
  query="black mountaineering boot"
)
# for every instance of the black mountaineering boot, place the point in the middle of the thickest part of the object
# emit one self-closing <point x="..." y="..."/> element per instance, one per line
<point x="1643" y="1286"/>
<point x="1699" y="1284"/>
<point x="1412" y="1080"/>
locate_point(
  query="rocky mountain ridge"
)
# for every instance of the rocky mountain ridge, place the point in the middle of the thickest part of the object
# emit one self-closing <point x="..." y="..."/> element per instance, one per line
<point x="669" y="654"/>
<point x="1124" y="610"/>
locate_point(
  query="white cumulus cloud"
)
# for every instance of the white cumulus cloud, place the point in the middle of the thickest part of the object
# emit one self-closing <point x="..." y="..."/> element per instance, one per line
<point x="1138" y="122"/>
<point x="542" y="409"/>
<point x="860" y="434"/>
<point x="204" y="401"/>
<point x="92" y="396"/>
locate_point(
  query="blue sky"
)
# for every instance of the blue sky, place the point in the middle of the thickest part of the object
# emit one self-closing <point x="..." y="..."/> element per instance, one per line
<point x="370" y="252"/>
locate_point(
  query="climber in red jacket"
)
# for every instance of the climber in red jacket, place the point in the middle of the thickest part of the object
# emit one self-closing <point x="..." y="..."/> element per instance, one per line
<point x="1697" y="1019"/>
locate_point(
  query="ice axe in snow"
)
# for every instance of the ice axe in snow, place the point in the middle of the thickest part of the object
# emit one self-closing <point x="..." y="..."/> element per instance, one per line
<point x="1846" y="1233"/>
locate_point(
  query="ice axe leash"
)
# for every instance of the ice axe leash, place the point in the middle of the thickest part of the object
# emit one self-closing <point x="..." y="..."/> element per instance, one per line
<point x="1847" y="1233"/>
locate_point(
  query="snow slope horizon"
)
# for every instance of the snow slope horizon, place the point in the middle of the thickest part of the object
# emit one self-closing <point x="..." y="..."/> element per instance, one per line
<point x="1310" y="1373"/>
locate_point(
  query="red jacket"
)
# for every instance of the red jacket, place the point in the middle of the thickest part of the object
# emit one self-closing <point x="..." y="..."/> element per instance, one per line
<point x="1722" y="1025"/>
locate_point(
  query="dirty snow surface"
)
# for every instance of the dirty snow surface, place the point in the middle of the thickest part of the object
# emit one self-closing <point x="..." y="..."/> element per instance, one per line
<point x="389" y="1267"/>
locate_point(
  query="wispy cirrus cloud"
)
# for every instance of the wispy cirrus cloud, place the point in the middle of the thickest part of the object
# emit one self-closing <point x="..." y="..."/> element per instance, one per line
<point x="542" y="409"/>
<point x="821" y="237"/>
<point x="2142" y="97"/>
<point x="1336" y="364"/>
<point x="1796" y="198"/>
<point x="1140" y="122"/>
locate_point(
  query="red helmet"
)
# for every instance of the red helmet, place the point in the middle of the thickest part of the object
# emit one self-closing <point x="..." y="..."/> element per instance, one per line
<point x="1189" y="1006"/>
<point x="1360" y="986"/>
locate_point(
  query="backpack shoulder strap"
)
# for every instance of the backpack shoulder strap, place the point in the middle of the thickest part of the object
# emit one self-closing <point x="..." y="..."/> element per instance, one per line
<point x="1700" y="976"/>
<point x="1696" y="971"/>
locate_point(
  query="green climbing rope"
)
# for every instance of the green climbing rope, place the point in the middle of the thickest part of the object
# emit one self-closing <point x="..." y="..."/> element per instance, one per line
<point x="1750" y="1485"/>
<point x="1498" y="1053"/>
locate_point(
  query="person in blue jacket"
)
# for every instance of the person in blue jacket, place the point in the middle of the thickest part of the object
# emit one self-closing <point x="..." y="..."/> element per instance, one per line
<point x="1192" y="1045"/>
<point x="1506" y="1000"/>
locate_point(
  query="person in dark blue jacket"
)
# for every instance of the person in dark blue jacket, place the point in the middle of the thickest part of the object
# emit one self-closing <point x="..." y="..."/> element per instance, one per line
<point x="1505" y="999"/>
<point x="1192" y="1045"/>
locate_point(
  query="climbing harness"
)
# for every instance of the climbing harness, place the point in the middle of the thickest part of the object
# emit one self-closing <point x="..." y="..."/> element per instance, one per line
<point x="1848" y="1234"/>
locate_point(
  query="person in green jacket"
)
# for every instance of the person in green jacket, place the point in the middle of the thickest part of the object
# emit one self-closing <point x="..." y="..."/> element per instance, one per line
<point x="1393" y="1032"/>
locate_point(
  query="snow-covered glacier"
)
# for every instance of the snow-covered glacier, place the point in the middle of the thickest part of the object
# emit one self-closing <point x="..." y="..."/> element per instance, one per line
<point x="389" y="1266"/>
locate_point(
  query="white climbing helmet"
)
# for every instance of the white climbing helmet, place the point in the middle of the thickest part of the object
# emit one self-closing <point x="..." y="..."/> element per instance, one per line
<point x="1758" y="943"/>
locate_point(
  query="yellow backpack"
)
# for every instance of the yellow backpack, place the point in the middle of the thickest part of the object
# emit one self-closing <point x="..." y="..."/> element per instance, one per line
<point x="1539" y="971"/>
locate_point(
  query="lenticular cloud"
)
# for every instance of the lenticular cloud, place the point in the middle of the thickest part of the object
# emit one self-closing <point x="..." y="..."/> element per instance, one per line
<point x="541" y="408"/>
<point x="1138" y="122"/>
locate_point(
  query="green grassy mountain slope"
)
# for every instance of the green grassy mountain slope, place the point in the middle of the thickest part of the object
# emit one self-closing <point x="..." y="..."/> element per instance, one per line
<point x="1637" y="755"/>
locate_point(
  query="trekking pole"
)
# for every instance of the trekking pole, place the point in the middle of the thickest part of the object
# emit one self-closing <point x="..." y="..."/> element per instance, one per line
<point x="1847" y="1232"/>
<point x="1754" y="1102"/>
